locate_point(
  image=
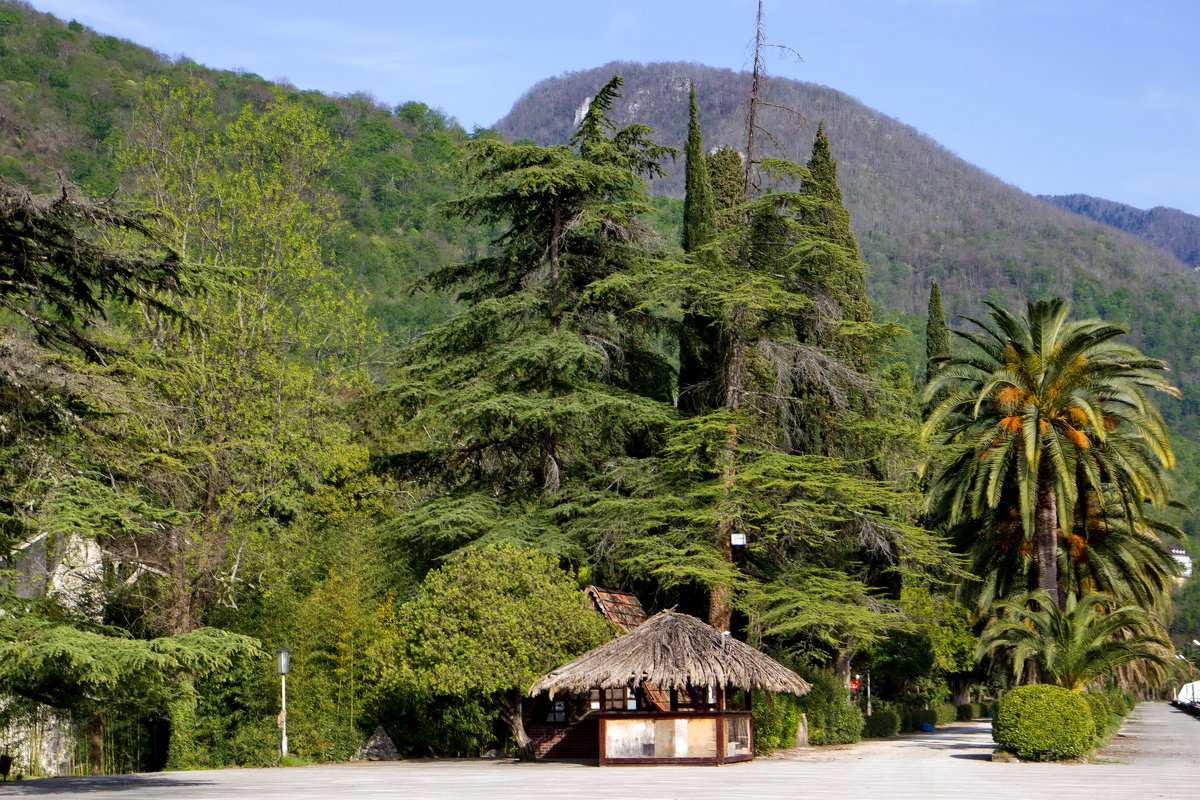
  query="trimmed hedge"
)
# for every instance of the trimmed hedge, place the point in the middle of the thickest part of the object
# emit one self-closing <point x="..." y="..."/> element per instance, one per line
<point x="881" y="724"/>
<point x="776" y="718"/>
<point x="946" y="712"/>
<point x="969" y="711"/>
<point x="1044" y="723"/>
<point x="1101" y="712"/>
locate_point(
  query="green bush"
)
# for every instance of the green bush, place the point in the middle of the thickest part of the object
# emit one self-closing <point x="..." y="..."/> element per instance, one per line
<point x="969" y="711"/>
<point x="1101" y="713"/>
<point x="832" y="717"/>
<point x="776" y="718"/>
<point x="881" y="724"/>
<point x="1044" y="723"/>
<point x="1116" y="701"/>
<point x="945" y="712"/>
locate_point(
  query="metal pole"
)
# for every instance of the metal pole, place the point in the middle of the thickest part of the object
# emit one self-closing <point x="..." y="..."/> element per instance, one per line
<point x="283" y="716"/>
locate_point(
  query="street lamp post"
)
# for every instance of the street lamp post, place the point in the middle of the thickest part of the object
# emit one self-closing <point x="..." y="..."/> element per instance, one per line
<point x="283" y="660"/>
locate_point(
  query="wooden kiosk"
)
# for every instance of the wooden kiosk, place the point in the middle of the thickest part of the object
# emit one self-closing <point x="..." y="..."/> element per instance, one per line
<point x="659" y="693"/>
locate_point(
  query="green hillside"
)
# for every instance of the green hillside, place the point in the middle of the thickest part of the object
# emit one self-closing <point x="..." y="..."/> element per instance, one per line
<point x="67" y="97"/>
<point x="1169" y="228"/>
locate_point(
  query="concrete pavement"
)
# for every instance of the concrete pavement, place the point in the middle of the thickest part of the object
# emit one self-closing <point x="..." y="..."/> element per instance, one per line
<point x="1155" y="755"/>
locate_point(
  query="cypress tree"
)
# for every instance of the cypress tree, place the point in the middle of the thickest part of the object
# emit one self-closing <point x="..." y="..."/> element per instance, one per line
<point x="700" y="337"/>
<point x="699" y="216"/>
<point x="937" y="332"/>
<point x="725" y="178"/>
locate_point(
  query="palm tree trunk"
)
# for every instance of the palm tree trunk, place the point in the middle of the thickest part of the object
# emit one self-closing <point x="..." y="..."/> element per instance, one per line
<point x="1045" y="528"/>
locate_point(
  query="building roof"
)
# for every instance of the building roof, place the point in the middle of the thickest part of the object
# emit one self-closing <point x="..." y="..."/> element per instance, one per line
<point x="620" y="608"/>
<point x="672" y="651"/>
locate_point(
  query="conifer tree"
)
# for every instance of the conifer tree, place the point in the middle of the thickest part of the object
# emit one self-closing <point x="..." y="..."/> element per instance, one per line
<point x="937" y="332"/>
<point x="726" y="179"/>
<point x="700" y="337"/>
<point x="552" y="369"/>
<point x="835" y="272"/>
<point x="699" y="224"/>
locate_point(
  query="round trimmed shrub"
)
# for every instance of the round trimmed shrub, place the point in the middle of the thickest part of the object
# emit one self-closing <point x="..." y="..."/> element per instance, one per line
<point x="1044" y="723"/>
<point x="1101" y="712"/>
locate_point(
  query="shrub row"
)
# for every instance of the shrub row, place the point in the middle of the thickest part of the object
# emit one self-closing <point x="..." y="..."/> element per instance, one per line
<point x="881" y="724"/>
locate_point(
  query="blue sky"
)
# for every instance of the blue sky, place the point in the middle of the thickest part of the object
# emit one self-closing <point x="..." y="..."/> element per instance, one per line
<point x="1055" y="96"/>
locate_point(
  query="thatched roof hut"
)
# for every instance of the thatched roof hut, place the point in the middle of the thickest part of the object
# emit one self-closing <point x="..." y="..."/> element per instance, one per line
<point x="672" y="651"/>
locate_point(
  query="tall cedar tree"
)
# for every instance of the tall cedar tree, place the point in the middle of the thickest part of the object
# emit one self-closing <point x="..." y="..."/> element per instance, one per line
<point x="838" y="276"/>
<point x="552" y="369"/>
<point x="819" y="535"/>
<point x="725" y="177"/>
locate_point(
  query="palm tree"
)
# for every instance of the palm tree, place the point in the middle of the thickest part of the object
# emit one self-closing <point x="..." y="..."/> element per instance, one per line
<point x="1089" y="638"/>
<point x="1103" y="552"/>
<point x="1044" y="408"/>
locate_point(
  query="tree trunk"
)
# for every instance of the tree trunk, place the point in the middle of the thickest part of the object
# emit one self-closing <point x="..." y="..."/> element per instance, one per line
<point x="551" y="480"/>
<point x="1045" y="528"/>
<point x="96" y="744"/>
<point x="512" y="709"/>
<point x="720" y="612"/>
<point x="752" y="114"/>
<point x="960" y="689"/>
<point x="841" y="665"/>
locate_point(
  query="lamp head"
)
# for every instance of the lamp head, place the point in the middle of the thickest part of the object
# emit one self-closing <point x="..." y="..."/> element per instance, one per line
<point x="283" y="660"/>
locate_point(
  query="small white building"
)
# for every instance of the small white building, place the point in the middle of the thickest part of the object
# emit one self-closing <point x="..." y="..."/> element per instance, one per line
<point x="1185" y="561"/>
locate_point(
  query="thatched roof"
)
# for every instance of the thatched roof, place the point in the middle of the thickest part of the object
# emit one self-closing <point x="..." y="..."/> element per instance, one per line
<point x="620" y="608"/>
<point x="671" y="651"/>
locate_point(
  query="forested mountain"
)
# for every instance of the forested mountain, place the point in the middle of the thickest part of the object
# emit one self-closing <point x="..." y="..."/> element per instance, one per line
<point x="920" y="212"/>
<point x="1171" y="229"/>
<point x="67" y="99"/>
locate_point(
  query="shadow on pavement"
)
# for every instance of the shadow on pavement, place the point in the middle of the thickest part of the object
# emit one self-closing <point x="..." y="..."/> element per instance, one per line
<point x="102" y="783"/>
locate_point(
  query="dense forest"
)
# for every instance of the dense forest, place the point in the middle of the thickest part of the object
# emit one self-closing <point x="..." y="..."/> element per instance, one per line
<point x="1173" y="230"/>
<point x="921" y="214"/>
<point x="283" y="369"/>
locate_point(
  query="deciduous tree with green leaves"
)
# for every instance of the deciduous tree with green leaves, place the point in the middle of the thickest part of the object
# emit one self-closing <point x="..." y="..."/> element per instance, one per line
<point x="491" y="622"/>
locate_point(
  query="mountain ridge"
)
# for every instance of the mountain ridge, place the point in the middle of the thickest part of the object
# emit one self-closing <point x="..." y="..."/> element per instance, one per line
<point x="1175" y="231"/>
<point x="921" y="213"/>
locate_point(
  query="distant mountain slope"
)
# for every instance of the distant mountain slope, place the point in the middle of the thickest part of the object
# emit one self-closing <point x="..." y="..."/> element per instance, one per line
<point x="920" y="212"/>
<point x="1173" y="230"/>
